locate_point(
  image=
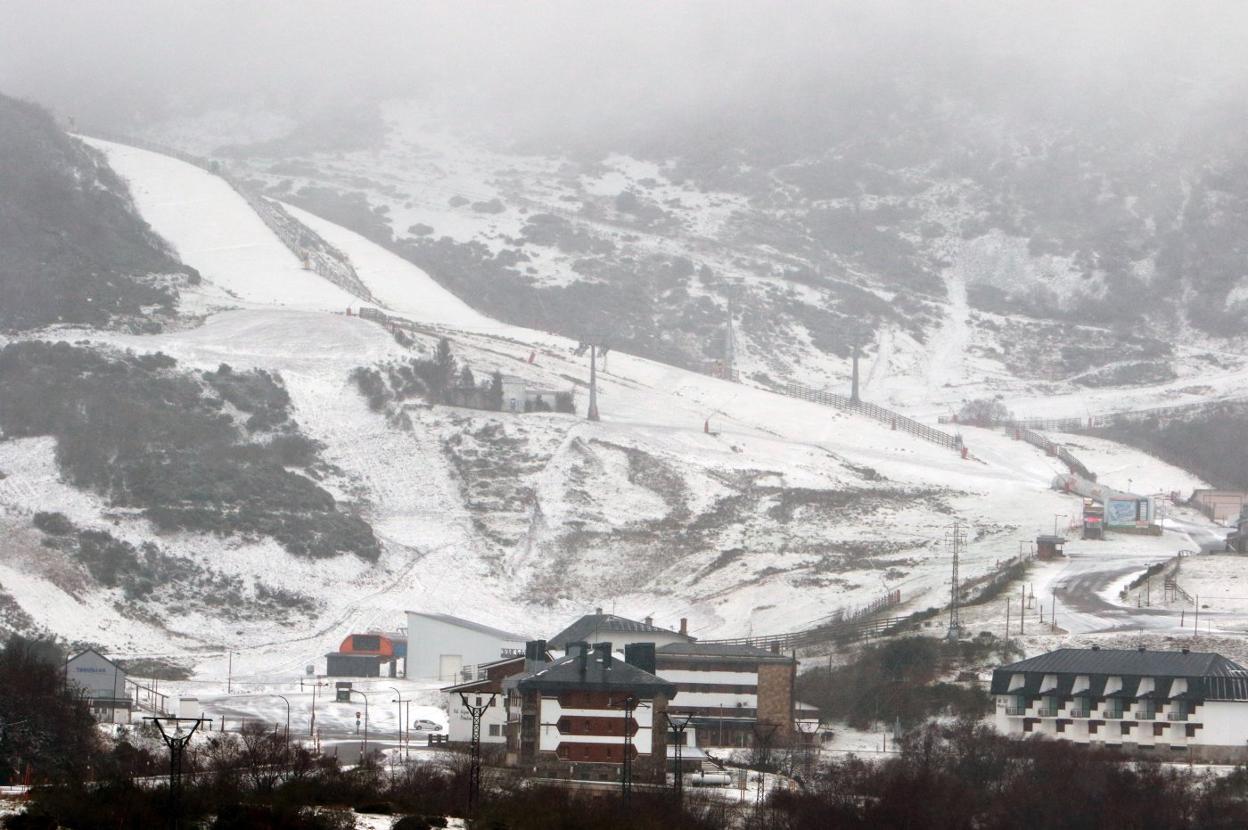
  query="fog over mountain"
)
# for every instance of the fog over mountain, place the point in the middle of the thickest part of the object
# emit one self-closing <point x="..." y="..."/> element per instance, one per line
<point x="579" y="70"/>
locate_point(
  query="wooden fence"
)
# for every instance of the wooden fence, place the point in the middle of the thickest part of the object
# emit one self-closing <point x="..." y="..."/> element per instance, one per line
<point x="894" y="419"/>
<point x="1053" y="448"/>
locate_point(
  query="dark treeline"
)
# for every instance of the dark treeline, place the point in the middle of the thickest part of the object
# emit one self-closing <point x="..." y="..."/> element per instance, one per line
<point x="967" y="776"/>
<point x="900" y="682"/>
<point x="1210" y="444"/>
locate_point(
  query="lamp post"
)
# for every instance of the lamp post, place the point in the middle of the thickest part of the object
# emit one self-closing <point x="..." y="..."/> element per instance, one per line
<point x="287" y="702"/>
<point x="361" y="694"/>
<point x="402" y="725"/>
<point x="312" y="721"/>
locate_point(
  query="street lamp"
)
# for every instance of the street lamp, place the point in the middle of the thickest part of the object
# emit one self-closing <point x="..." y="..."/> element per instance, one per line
<point x="287" y="702"/>
<point x="402" y="723"/>
<point x="361" y="694"/>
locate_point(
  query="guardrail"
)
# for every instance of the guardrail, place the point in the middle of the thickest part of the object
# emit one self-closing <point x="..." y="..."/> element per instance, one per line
<point x="312" y="250"/>
<point x="894" y="419"/>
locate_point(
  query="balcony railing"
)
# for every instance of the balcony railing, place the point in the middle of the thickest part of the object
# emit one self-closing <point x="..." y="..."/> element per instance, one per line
<point x="1078" y="713"/>
<point x="1015" y="711"/>
<point x="1112" y="715"/>
<point x="1046" y="713"/>
<point x="1139" y="715"/>
<point x="1176" y="716"/>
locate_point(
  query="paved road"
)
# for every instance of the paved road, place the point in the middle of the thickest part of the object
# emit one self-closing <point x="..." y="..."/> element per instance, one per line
<point x="1084" y="586"/>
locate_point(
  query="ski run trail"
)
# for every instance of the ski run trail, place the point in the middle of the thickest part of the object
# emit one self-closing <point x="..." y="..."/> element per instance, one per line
<point x="261" y="309"/>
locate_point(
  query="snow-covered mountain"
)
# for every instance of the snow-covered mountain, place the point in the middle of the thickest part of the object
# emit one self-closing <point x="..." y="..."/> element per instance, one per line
<point x="694" y="497"/>
<point x="993" y="258"/>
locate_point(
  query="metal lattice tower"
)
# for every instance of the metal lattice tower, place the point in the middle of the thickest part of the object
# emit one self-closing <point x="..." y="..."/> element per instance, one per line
<point x="176" y="741"/>
<point x="956" y="539"/>
<point x="678" y="729"/>
<point x="626" y="771"/>
<point x="474" y="749"/>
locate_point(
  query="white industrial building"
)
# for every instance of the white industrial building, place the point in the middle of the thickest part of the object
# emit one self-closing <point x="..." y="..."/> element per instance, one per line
<point x="1159" y="702"/>
<point x="449" y="649"/>
<point x="102" y="684"/>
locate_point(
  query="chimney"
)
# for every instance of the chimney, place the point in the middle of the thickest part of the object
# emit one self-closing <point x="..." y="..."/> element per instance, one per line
<point x="640" y="655"/>
<point x="579" y="650"/>
<point x="598" y="611"/>
<point x="602" y="651"/>
<point x="534" y="655"/>
<point x="649" y="620"/>
<point x="684" y="626"/>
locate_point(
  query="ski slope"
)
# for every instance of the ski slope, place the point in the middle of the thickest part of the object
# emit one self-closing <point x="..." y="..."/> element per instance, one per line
<point x="707" y="434"/>
<point x="212" y="226"/>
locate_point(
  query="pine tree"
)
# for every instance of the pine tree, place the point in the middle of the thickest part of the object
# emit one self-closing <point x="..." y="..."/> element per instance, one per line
<point x="443" y="368"/>
<point x="466" y="379"/>
<point x="496" y="391"/>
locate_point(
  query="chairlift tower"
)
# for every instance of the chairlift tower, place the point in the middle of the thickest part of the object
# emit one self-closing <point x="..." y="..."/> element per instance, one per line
<point x="596" y="345"/>
<point x="955" y="539"/>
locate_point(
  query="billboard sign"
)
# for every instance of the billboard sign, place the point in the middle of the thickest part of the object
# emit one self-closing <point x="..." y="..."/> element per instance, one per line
<point x="1126" y="512"/>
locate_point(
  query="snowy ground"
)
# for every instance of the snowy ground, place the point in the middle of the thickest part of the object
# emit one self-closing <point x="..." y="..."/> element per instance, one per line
<point x="265" y="311"/>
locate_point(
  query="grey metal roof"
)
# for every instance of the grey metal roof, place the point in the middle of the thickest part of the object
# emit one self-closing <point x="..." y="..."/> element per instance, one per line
<point x="509" y="636"/>
<point x="594" y="675"/>
<point x="1209" y="676"/>
<point x="1130" y="661"/>
<point x="590" y="627"/>
<point x="719" y="650"/>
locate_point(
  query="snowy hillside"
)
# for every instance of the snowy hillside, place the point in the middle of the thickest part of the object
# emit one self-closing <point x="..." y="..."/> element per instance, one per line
<point x="693" y="497"/>
<point x="650" y="252"/>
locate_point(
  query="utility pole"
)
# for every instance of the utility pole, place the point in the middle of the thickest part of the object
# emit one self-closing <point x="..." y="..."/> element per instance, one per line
<point x="730" y="342"/>
<point x="956" y="538"/>
<point x="229" y="674"/>
<point x="474" y="749"/>
<point x="312" y="721"/>
<point x="1022" y="611"/>
<point x="364" y="755"/>
<point x="176" y="741"/>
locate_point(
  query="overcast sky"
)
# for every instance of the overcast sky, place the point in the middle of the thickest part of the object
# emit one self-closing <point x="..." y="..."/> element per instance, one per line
<point x="561" y="62"/>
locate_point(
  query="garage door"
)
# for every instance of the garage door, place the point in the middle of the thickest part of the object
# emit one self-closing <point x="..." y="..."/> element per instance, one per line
<point x="449" y="666"/>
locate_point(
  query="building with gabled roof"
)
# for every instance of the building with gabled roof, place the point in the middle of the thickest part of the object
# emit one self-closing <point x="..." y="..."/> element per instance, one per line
<point x="1135" y="699"/>
<point x="483" y="689"/>
<point x="579" y="716"/>
<point x="620" y="631"/>
<point x="102" y="684"/>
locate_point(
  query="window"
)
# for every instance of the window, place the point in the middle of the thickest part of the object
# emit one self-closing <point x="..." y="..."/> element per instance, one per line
<point x="1126" y="728"/>
<point x="495" y="730"/>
